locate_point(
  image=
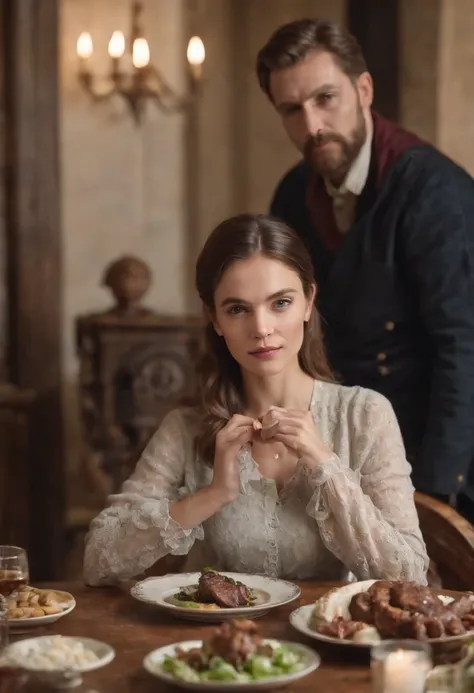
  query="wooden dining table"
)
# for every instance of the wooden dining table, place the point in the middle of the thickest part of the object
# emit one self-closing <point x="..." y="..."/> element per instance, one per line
<point x="134" y="629"/>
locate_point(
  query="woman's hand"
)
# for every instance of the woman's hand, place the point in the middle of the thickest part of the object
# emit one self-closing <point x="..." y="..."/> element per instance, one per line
<point x="237" y="432"/>
<point x="297" y="431"/>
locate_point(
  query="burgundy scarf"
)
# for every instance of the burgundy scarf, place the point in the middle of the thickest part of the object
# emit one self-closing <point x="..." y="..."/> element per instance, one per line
<point x="389" y="142"/>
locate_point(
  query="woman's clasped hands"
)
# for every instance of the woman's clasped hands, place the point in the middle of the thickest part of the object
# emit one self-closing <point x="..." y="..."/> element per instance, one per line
<point x="295" y="429"/>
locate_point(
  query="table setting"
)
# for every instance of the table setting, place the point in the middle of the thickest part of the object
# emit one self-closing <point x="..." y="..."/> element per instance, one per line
<point x="227" y="631"/>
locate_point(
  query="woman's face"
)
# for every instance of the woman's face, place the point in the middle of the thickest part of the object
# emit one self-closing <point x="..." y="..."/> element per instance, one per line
<point x="260" y="311"/>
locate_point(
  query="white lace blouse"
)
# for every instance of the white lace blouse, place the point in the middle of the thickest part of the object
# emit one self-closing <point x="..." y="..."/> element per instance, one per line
<point x="354" y="513"/>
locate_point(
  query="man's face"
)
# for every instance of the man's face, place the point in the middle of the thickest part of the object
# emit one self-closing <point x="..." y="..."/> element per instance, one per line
<point x="323" y="111"/>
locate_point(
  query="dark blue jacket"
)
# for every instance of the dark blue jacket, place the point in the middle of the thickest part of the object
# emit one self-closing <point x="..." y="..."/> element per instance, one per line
<point x="397" y="300"/>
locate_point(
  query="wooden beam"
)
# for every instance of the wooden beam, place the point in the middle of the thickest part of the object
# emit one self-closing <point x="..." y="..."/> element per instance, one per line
<point x="32" y="209"/>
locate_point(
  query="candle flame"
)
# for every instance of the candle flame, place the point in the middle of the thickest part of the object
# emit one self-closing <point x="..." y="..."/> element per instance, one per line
<point x="117" y="45"/>
<point x="140" y="53"/>
<point x="85" y="47"/>
<point x="196" y="52"/>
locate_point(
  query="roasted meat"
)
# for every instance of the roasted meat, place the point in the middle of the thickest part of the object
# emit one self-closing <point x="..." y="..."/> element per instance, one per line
<point x="413" y="597"/>
<point x="340" y="628"/>
<point x="360" y="608"/>
<point x="380" y="590"/>
<point x="195" y="657"/>
<point x="388" y="619"/>
<point x="462" y="607"/>
<point x="234" y="641"/>
<point x="404" y="610"/>
<point x="218" y="589"/>
<point x="413" y="628"/>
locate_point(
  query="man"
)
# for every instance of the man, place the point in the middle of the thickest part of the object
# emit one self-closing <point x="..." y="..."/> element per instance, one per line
<point x="389" y="223"/>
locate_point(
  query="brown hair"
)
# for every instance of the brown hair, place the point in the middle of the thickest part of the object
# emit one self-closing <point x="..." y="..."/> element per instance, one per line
<point x="220" y="380"/>
<point x="292" y="42"/>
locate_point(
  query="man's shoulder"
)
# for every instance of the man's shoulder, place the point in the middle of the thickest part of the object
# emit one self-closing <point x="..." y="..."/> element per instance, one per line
<point x="424" y="163"/>
<point x="293" y="182"/>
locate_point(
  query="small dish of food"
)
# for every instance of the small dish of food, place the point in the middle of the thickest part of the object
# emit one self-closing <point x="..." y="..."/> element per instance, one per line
<point x="234" y="656"/>
<point x="362" y="614"/>
<point x="29" y="607"/>
<point x="57" y="660"/>
<point x="215" y="596"/>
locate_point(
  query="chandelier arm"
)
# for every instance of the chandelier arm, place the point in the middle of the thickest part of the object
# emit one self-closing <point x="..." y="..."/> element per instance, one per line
<point x="87" y="83"/>
<point x="170" y="102"/>
<point x="165" y="90"/>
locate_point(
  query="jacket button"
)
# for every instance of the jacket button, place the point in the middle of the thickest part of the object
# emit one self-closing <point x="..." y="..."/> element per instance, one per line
<point x="381" y="356"/>
<point x="389" y="325"/>
<point x="383" y="370"/>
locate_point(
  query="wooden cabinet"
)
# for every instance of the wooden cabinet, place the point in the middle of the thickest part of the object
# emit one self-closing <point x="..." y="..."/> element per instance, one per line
<point x="133" y="369"/>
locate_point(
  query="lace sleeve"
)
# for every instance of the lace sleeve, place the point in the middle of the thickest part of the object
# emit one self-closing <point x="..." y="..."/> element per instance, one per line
<point x="136" y="529"/>
<point x="367" y="515"/>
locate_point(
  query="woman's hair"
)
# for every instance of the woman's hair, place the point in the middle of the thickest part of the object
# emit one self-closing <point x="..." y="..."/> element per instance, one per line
<point x="292" y="42"/>
<point x="219" y="375"/>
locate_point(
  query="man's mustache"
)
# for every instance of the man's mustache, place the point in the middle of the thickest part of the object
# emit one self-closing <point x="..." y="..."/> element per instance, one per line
<point x="320" y="138"/>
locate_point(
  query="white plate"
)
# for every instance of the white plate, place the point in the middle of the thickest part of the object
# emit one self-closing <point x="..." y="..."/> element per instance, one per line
<point x="152" y="664"/>
<point x="270" y="594"/>
<point x="300" y="620"/>
<point x="23" y="625"/>
<point x="59" y="678"/>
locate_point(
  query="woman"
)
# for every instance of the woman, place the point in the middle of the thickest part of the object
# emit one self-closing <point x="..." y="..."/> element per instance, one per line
<point x="325" y="493"/>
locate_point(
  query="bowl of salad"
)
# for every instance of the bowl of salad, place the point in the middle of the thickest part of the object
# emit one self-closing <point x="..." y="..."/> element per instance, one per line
<point x="234" y="656"/>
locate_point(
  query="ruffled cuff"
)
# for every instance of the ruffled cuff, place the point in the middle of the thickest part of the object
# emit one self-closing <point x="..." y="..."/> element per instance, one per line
<point x="318" y="476"/>
<point x="320" y="473"/>
<point x="156" y="513"/>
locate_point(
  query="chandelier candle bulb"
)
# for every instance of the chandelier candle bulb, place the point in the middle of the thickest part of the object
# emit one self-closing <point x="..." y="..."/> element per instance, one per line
<point x="196" y="55"/>
<point x="117" y="45"/>
<point x="116" y="51"/>
<point x="140" y="53"/>
<point x="85" y="49"/>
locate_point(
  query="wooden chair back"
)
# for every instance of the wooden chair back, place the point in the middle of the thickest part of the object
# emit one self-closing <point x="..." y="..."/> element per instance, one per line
<point x="449" y="541"/>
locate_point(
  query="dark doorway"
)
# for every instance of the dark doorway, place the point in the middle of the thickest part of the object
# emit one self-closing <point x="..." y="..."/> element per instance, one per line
<point x="376" y="26"/>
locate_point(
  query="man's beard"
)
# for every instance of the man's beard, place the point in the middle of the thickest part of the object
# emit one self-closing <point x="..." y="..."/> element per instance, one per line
<point x="331" y="165"/>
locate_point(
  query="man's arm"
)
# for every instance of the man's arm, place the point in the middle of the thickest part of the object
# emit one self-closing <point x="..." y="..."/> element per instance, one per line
<point x="439" y="247"/>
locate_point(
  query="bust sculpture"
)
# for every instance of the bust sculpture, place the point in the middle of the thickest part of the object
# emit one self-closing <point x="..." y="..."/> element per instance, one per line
<point x="128" y="278"/>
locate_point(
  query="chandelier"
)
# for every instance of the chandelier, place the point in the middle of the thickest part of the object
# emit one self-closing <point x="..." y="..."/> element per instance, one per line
<point x="143" y="82"/>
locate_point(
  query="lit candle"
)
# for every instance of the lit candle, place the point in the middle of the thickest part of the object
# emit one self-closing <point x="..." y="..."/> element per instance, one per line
<point x="140" y="53"/>
<point x="196" y="55"/>
<point x="116" y="50"/>
<point x="117" y="45"/>
<point x="404" y="673"/>
<point x="400" y="666"/>
<point x="85" y="47"/>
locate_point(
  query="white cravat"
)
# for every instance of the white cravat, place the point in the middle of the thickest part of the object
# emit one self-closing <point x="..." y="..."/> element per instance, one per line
<point x="345" y="196"/>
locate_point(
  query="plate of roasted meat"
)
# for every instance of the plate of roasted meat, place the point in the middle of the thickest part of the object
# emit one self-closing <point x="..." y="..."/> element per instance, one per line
<point x="364" y="613"/>
<point x="234" y="656"/>
<point x="215" y="596"/>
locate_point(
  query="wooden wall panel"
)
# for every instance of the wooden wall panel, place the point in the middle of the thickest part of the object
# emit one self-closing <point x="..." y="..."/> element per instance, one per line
<point x="32" y="238"/>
